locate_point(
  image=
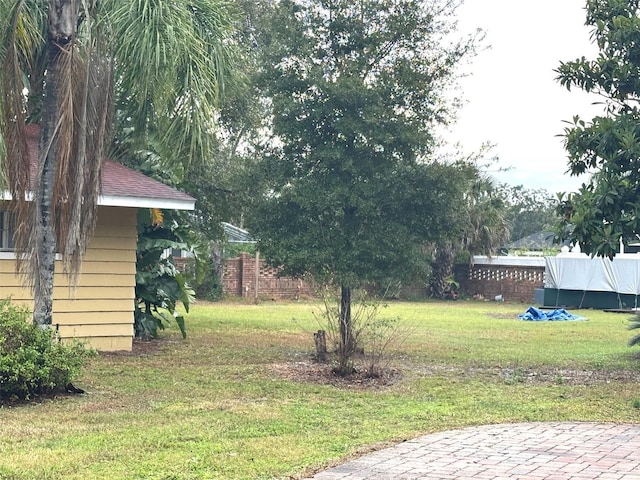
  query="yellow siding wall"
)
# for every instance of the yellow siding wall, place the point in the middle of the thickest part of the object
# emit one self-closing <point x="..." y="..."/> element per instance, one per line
<point x="100" y="310"/>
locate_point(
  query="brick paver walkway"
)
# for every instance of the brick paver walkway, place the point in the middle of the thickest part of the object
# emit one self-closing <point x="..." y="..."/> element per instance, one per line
<point x="553" y="451"/>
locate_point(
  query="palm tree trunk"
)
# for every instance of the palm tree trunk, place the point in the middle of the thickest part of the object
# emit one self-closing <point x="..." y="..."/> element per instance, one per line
<point x="62" y="19"/>
<point x="44" y="233"/>
<point x="442" y="270"/>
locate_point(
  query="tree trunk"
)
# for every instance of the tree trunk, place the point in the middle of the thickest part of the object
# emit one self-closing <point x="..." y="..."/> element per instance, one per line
<point x="442" y="270"/>
<point x="320" y="339"/>
<point x="44" y="233"/>
<point x="62" y="21"/>
<point x="216" y="260"/>
<point x="347" y="346"/>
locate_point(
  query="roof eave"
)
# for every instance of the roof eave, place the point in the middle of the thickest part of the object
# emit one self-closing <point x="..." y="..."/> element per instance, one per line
<point x="144" y="202"/>
<point x="131" y="202"/>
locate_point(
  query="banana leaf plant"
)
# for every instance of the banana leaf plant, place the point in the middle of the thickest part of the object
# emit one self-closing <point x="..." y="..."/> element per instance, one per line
<point x="160" y="287"/>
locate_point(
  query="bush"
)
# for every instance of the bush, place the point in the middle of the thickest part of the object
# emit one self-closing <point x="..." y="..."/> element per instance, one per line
<point x="32" y="360"/>
<point x="374" y="337"/>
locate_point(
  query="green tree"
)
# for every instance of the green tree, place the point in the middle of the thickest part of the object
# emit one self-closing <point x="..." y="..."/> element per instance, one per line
<point x="355" y="89"/>
<point x="482" y="228"/>
<point x="68" y="65"/>
<point x="528" y="210"/>
<point x="607" y="207"/>
<point x="487" y="226"/>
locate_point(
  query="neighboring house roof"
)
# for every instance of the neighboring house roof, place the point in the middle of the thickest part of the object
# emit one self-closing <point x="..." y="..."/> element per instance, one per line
<point x="121" y="186"/>
<point x="236" y="234"/>
<point x="535" y="241"/>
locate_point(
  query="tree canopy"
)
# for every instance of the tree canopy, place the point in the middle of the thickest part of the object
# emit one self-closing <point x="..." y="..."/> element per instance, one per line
<point x="606" y="209"/>
<point x="529" y="210"/>
<point x="355" y="90"/>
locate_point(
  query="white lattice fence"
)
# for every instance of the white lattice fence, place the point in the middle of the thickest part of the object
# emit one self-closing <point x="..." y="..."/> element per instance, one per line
<point x="502" y="273"/>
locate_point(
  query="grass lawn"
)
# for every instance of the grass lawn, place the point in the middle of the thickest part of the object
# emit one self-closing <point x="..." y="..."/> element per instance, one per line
<point x="240" y="398"/>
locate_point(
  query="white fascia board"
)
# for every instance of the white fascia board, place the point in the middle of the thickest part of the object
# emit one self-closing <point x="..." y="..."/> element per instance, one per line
<point x="137" y="202"/>
<point x="134" y="202"/>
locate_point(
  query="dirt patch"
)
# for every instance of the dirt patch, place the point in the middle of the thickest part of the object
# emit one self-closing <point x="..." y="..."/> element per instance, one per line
<point x="568" y="377"/>
<point x="540" y="375"/>
<point x="322" y="374"/>
<point x="35" y="399"/>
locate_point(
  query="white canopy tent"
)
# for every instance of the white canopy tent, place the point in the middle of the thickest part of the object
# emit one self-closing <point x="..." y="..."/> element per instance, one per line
<point x="581" y="272"/>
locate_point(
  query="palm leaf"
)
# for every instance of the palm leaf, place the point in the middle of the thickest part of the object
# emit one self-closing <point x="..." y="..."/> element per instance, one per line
<point x="635" y="325"/>
<point x="19" y="36"/>
<point x="178" y="56"/>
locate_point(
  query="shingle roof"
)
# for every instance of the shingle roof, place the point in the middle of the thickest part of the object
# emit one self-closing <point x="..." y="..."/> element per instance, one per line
<point x="124" y="187"/>
<point x="121" y="182"/>
<point x="236" y="234"/>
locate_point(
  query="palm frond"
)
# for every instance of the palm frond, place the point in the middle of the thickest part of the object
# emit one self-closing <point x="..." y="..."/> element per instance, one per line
<point x="167" y="59"/>
<point x="82" y="75"/>
<point x="634" y="325"/>
<point x="178" y="55"/>
<point x="85" y="99"/>
<point x="20" y="38"/>
<point x="15" y="46"/>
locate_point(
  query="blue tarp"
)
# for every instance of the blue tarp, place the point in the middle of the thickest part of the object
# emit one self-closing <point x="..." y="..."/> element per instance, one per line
<point x="537" y="315"/>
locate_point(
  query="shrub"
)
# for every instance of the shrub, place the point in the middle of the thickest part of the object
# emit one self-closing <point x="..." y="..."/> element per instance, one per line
<point x="32" y="360"/>
<point x="374" y="337"/>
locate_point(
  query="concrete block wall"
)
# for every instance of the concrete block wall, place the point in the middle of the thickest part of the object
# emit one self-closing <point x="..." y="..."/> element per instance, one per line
<point x="515" y="283"/>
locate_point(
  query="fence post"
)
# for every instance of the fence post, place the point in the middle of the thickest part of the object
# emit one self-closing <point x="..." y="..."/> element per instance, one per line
<point x="257" y="271"/>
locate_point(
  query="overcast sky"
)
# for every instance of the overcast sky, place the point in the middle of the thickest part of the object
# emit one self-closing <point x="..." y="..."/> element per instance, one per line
<point x="512" y="99"/>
